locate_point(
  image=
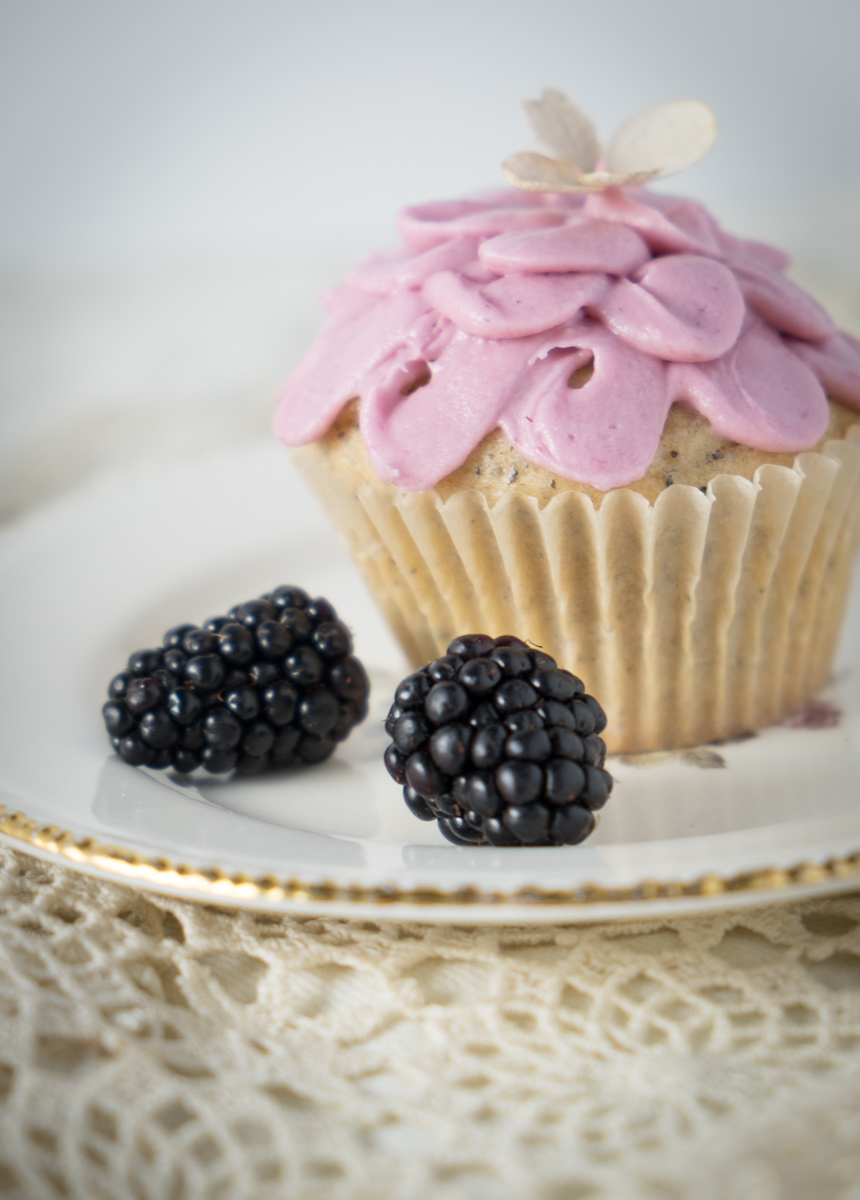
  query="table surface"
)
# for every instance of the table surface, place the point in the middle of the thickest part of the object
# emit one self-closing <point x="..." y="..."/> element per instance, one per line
<point x="154" y="1048"/>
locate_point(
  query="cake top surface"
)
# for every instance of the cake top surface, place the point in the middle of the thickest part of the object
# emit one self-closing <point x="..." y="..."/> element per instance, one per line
<point x="572" y="312"/>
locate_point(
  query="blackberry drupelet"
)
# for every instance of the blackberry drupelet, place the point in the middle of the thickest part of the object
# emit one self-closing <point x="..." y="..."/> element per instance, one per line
<point x="274" y="683"/>
<point x="499" y="745"/>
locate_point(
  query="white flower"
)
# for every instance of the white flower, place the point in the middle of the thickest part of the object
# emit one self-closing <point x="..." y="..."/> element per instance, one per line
<point x="660" y="141"/>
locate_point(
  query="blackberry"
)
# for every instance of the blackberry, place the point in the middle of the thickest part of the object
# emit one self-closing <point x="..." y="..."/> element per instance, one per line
<point x="274" y="683"/>
<point x="499" y="745"/>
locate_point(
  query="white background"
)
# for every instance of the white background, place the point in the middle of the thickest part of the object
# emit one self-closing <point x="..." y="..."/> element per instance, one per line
<point x="178" y="178"/>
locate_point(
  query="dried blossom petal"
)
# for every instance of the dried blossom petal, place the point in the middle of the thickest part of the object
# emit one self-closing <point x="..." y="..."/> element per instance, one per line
<point x="537" y="173"/>
<point x="657" y="142"/>
<point x="564" y="129"/>
<point x="662" y="140"/>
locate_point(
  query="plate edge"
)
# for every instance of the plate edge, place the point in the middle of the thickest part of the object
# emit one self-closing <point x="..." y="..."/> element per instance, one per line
<point x="129" y="866"/>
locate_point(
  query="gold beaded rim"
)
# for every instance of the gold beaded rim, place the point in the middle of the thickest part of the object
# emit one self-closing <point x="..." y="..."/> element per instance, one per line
<point x="215" y="883"/>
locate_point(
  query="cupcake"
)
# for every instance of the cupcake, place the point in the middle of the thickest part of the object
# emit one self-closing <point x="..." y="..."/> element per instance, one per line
<point x="580" y="412"/>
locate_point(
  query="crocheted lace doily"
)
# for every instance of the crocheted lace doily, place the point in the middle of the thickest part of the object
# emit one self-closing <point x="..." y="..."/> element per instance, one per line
<point x="152" y="1049"/>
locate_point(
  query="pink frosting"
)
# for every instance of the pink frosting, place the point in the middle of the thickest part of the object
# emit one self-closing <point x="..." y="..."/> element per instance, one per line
<point x="483" y="316"/>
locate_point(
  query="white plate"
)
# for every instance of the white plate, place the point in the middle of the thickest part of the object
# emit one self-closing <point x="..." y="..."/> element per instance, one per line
<point x="104" y="572"/>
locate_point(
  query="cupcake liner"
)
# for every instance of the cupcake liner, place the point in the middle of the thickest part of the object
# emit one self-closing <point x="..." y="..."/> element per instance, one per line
<point x="701" y="617"/>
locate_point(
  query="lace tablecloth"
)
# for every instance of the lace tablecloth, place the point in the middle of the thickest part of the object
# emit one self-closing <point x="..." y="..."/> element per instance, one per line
<point x="161" y="1050"/>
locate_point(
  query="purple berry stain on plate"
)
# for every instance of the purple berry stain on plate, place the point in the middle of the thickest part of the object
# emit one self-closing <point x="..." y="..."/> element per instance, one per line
<point x="274" y="683"/>
<point x="499" y="745"/>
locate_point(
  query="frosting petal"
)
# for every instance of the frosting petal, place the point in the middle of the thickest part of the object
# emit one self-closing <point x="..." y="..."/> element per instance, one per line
<point x="755" y="394"/>
<point x="659" y="231"/>
<point x="388" y="272"/>
<point x="581" y="245"/>
<point x="514" y="306"/>
<point x="683" y="307"/>
<point x="745" y="253"/>
<point x="605" y="433"/>
<point x="430" y="224"/>
<point x="414" y="440"/>
<point x="783" y="304"/>
<point x="836" y="362"/>
<point x="688" y="216"/>
<point x="365" y="331"/>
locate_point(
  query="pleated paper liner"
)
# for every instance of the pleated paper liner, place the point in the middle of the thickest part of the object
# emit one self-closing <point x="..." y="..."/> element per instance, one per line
<point x="701" y="617"/>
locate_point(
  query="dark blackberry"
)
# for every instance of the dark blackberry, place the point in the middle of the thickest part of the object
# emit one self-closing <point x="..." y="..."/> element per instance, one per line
<point x="172" y="640"/>
<point x="184" y="706"/>
<point x="263" y="674"/>
<point x="157" y="729"/>
<point x="216" y="624"/>
<point x="304" y="667"/>
<point x="273" y="639"/>
<point x="319" y="711"/>
<point x="118" y="685"/>
<point x="244" y="702"/>
<point x="174" y="661"/>
<point x="279" y="703"/>
<point x="144" y="662"/>
<point x="288" y="597"/>
<point x="259" y="738"/>
<point x="118" y="719"/>
<point x="218" y="761"/>
<point x="184" y="761"/>
<point x="273" y="683"/>
<point x="142" y="695"/>
<point x="499" y="745"/>
<point x="320" y="611"/>
<point x="236" y="645"/>
<point x="347" y="677"/>
<point x="135" y="751"/>
<point x="222" y="730"/>
<point x="199" y="641"/>
<point x="297" y="622"/>
<point x="331" y="639"/>
<point x="253" y="612"/>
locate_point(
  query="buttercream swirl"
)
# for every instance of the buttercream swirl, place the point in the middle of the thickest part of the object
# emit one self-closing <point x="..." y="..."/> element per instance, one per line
<point x="484" y="315"/>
